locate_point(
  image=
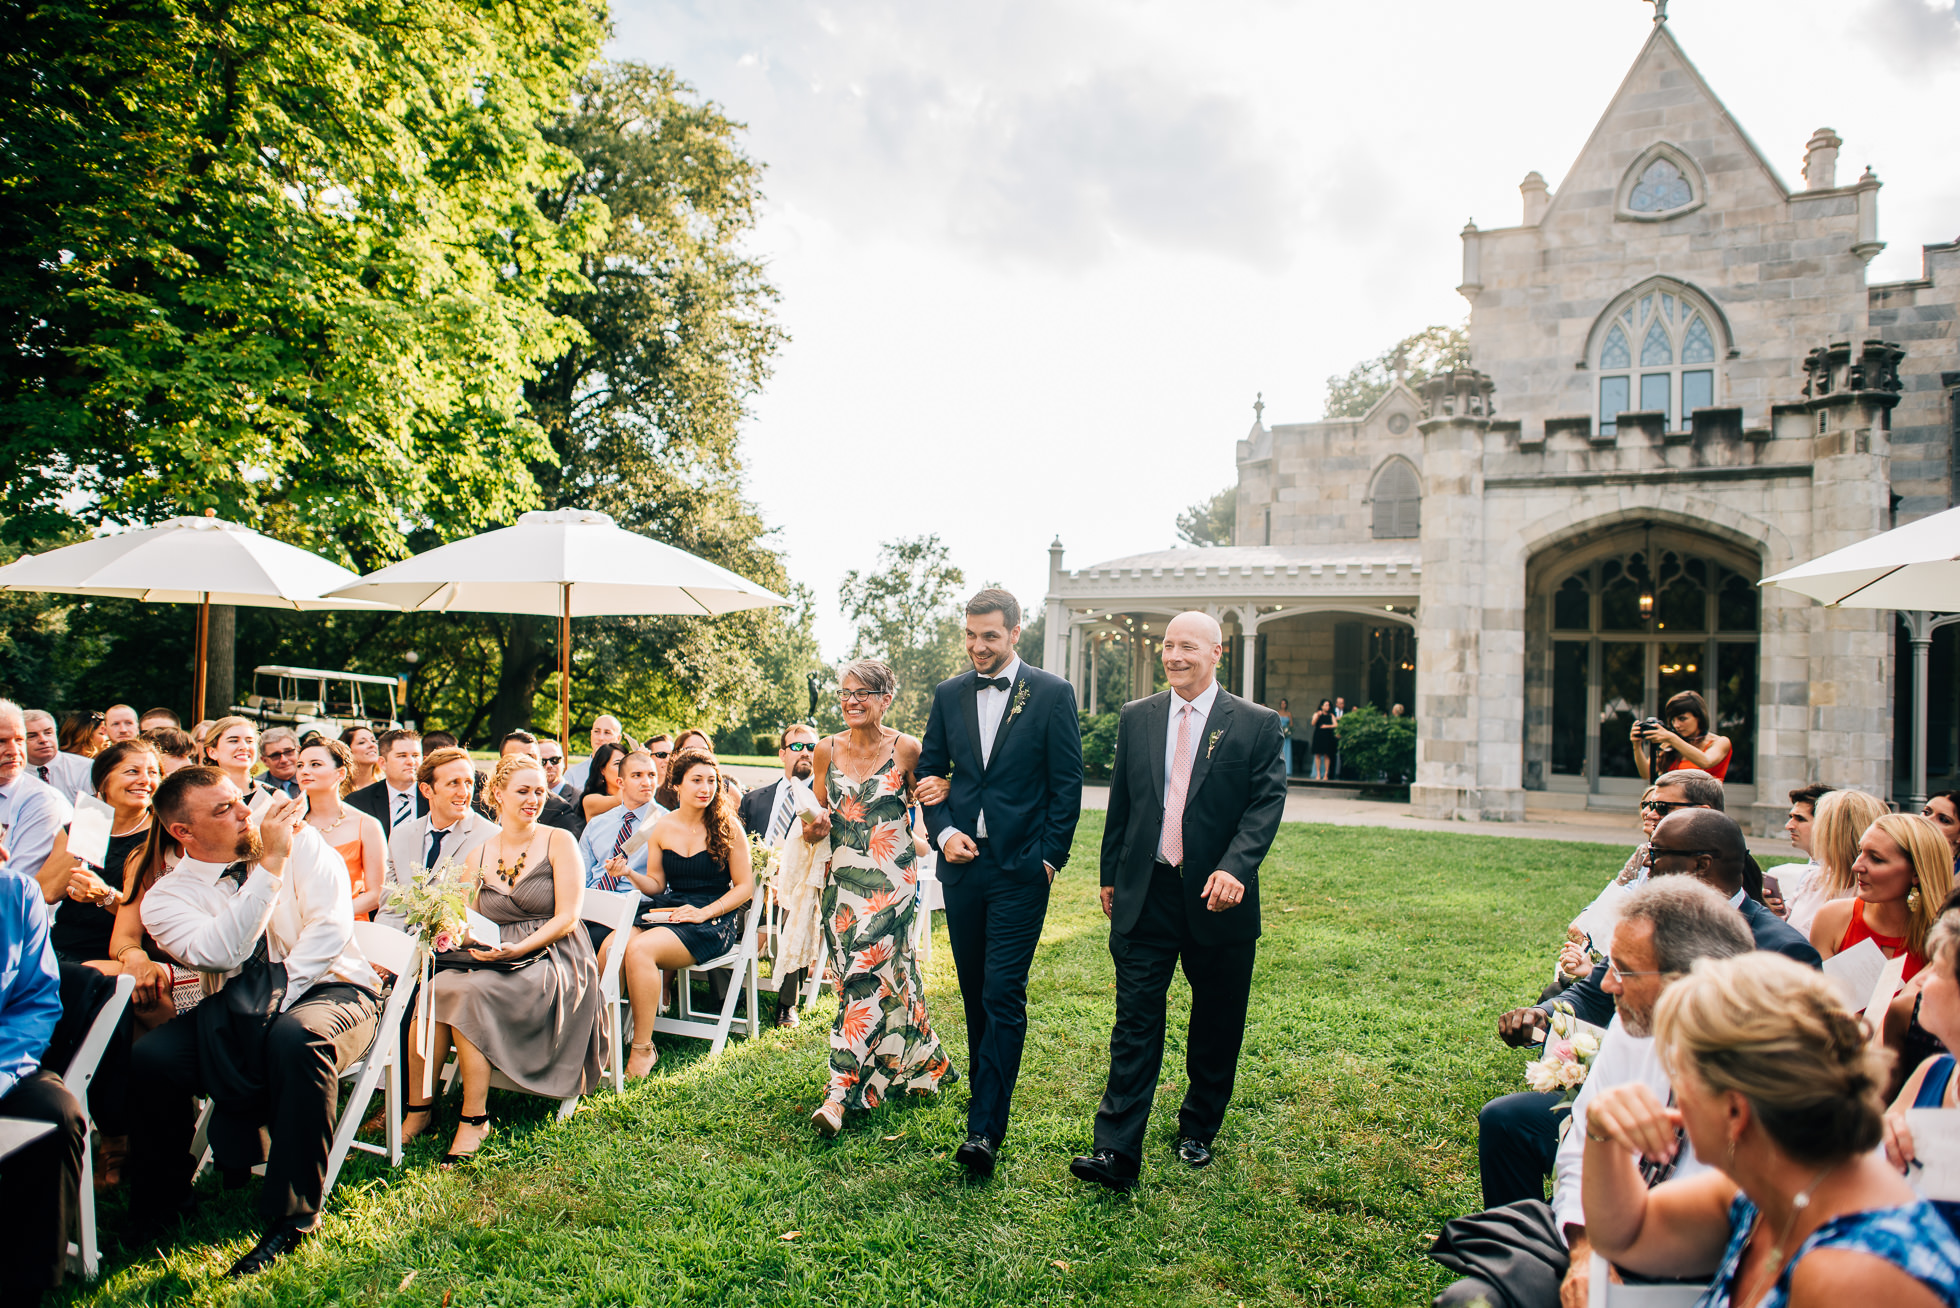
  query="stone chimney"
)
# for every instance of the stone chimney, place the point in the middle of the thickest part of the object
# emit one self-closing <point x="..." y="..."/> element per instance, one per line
<point x="1537" y="198"/>
<point x="1820" y="160"/>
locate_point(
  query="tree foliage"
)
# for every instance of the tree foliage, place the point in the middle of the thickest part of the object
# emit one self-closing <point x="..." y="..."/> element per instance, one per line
<point x="907" y="610"/>
<point x="282" y="259"/>
<point x="1211" y="521"/>
<point x="1431" y="350"/>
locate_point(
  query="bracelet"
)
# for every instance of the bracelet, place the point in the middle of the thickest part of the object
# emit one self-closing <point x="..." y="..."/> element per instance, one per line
<point x="1597" y="1139"/>
<point x="121" y="953"/>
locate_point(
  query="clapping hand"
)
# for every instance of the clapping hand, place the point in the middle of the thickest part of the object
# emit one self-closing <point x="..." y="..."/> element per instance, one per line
<point x="932" y="791"/>
<point x="276" y="828"/>
<point x="1572" y="962"/>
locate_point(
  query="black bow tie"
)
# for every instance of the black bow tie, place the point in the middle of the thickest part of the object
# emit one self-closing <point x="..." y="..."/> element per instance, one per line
<point x="993" y="683"/>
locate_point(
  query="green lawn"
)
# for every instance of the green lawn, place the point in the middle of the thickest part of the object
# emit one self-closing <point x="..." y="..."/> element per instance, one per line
<point x="1386" y="959"/>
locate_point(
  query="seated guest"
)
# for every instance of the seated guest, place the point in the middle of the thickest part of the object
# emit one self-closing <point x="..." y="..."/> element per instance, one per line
<point x="322" y="774"/>
<point x="557" y="812"/>
<point x="1904" y="874"/>
<point x="67" y="773"/>
<point x="529" y="1006"/>
<point x="1841" y="817"/>
<point x="768" y="812"/>
<point x="237" y="891"/>
<point x="82" y="735"/>
<point x="1932" y="1084"/>
<point x="232" y="745"/>
<point x="601" y="782"/>
<point x="279" y="751"/>
<point x="558" y="808"/>
<point x="703" y="875"/>
<point x="159" y="717"/>
<point x="160" y="987"/>
<point x="449" y="830"/>
<point x="603" y="843"/>
<point x="1793" y="880"/>
<point x="1665" y="927"/>
<point x="696" y="739"/>
<point x="1595" y="923"/>
<point x="606" y="730"/>
<point x="1778" y="1087"/>
<point x="120" y="723"/>
<point x="41" y="1183"/>
<point x="364" y="747"/>
<point x="32" y="812"/>
<point x="395" y="800"/>
<point x="126" y="776"/>
<point x="175" y="748"/>
<point x="1943" y="811"/>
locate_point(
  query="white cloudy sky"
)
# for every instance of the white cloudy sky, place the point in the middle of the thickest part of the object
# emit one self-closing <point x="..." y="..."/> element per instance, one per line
<point x="1037" y="256"/>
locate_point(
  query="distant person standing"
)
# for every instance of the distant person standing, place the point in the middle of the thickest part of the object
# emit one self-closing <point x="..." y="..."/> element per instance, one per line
<point x="1323" y="741"/>
<point x="1286" y="734"/>
<point x="606" y="730"/>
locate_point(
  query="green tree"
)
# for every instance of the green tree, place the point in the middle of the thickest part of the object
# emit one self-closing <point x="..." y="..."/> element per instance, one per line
<point x="282" y="260"/>
<point x="1431" y="350"/>
<point x="1210" y="521"/>
<point x="907" y="610"/>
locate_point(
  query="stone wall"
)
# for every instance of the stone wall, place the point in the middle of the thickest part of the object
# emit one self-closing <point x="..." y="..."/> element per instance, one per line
<point x="1924" y="316"/>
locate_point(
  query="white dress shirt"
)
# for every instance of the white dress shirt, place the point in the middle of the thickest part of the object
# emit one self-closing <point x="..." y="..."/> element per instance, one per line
<point x="67" y="773"/>
<point x="1804" y="892"/>
<point x="991" y="704"/>
<point x="596" y="843"/>
<point x="1205" y="699"/>
<point x="575" y="779"/>
<point x="1622" y="1060"/>
<point x="32" y="814"/>
<point x="203" y="919"/>
<point x="395" y="803"/>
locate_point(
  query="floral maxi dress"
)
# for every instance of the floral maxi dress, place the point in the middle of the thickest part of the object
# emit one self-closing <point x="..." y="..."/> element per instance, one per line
<point x="882" y="1037"/>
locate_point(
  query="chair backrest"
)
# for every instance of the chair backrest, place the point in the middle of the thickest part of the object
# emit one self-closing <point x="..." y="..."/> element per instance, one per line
<point x="610" y="908"/>
<point x="81" y="1067"/>
<point x="1601" y="1292"/>
<point x="384" y="946"/>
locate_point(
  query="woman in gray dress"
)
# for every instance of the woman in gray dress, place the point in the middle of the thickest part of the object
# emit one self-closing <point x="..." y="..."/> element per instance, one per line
<point x="537" y="1022"/>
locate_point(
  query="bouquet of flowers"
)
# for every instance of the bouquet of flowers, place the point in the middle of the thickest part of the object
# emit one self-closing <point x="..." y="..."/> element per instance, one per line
<point x="765" y="858"/>
<point x="1570" y="1047"/>
<point x="434" y="904"/>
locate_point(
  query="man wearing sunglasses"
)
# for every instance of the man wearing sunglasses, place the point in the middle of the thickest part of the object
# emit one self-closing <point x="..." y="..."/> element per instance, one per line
<point x="768" y="811"/>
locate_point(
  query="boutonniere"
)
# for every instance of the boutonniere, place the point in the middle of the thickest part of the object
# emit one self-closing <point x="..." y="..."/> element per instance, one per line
<point x="1213" y="743"/>
<point x="1020" y="698"/>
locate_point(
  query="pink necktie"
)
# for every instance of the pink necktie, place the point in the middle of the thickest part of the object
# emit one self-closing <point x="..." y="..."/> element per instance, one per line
<point x="1180" y="782"/>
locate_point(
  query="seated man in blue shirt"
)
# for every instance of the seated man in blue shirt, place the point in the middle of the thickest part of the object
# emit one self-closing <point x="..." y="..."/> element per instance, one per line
<point x="604" y="841"/>
<point x="40" y="1184"/>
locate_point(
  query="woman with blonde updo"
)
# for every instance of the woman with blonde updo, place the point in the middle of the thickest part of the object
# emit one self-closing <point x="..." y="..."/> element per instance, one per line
<point x="528" y="1006"/>
<point x="1778" y="1087"/>
<point x="1903" y="877"/>
<point x="1840" y="819"/>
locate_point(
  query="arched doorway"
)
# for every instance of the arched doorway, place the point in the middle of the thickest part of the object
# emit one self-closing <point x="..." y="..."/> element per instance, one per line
<point x="1618" y="623"/>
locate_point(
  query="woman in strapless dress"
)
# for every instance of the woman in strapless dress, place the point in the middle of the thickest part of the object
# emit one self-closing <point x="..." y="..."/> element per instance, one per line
<point x="698" y="868"/>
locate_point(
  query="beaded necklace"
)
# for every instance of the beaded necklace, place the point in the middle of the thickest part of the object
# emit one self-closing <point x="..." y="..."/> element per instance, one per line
<point x="509" y="878"/>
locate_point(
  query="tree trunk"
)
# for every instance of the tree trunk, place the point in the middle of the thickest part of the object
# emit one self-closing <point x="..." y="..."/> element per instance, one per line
<point x="527" y="658"/>
<point x="221" y="681"/>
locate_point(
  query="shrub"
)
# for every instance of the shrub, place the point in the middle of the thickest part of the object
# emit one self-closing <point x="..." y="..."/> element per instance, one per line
<point x="1098" y="744"/>
<point x="1373" y="744"/>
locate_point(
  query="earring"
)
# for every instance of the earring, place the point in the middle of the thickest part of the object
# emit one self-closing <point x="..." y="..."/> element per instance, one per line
<point x="1728" y="1164"/>
<point x="1912" y="899"/>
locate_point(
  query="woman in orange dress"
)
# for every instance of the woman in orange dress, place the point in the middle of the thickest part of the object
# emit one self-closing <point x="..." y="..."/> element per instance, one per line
<point x="1903" y="879"/>
<point x="356" y="837"/>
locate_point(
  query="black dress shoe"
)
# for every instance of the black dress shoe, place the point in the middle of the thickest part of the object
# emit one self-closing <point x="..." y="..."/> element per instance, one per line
<point x="1105" y="1167"/>
<point x="1192" y="1153"/>
<point x="977" y="1154"/>
<point x="272" y="1246"/>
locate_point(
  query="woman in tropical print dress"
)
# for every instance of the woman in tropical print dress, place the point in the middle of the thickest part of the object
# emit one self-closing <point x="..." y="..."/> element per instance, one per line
<point x="882" y="1040"/>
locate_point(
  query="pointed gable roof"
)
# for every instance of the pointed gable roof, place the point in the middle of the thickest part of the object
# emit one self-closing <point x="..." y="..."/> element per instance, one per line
<point x="1664" y="98"/>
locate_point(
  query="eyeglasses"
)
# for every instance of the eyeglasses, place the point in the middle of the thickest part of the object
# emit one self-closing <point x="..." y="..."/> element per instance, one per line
<point x="800" y="746"/>
<point x="663" y="753"/>
<point x="1661" y="806"/>
<point x="1613" y="968"/>
<point x="858" y="696"/>
<point x="1655" y="851"/>
<point x="551" y="758"/>
<point x="271" y="754"/>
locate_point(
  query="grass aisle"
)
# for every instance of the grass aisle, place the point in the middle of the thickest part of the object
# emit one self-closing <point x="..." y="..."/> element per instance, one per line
<point x="1386" y="959"/>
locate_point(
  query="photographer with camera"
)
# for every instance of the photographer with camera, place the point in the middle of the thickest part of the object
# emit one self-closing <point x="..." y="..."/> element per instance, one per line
<point x="1686" y="741"/>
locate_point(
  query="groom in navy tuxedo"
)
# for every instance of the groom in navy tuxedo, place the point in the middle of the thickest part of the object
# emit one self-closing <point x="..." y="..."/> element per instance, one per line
<point x="1006" y="744"/>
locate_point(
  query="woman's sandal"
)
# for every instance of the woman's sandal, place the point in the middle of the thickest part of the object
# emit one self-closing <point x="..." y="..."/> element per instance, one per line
<point x="409" y="1110"/>
<point x="646" y="1048"/>
<point x="828" y="1120"/>
<point x="449" y="1160"/>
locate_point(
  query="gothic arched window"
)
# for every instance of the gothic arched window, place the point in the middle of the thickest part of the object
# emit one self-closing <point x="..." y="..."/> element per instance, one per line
<point x="1397" y="500"/>
<point x="1675" y="375"/>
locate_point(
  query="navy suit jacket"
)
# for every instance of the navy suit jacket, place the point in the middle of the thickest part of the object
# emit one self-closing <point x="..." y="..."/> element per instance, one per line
<point x="1031" y="788"/>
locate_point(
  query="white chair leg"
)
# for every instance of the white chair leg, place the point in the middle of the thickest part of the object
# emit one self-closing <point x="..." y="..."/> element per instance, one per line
<point x="394" y="1109"/>
<point x="566" y="1107"/>
<point x="201" y="1141"/>
<point x="83" y="1252"/>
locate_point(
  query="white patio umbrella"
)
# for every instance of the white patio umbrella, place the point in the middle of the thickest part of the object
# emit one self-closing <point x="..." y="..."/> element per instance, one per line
<point x="1915" y="569"/>
<point x="563" y="563"/>
<point x="189" y="560"/>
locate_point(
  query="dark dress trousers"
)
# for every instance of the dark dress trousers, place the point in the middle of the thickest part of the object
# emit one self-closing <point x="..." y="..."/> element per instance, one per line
<point x="1031" y="791"/>
<point x="372" y="799"/>
<point x="755" y="808"/>
<point x="1233" y="804"/>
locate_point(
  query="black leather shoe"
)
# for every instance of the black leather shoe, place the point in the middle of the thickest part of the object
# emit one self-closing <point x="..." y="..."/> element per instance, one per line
<point x="1192" y="1153"/>
<point x="272" y="1246"/>
<point x="977" y="1155"/>
<point x="1105" y="1167"/>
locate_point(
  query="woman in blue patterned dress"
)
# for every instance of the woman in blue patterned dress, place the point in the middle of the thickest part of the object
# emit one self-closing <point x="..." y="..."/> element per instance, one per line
<point x="882" y="1040"/>
<point x="1779" y="1087"/>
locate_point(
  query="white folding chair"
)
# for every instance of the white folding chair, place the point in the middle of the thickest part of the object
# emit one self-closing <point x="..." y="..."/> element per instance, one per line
<point x="615" y="909"/>
<point x="1603" y="1292"/>
<point x="747" y="980"/>
<point x="83" y="1254"/>
<point x="930" y="896"/>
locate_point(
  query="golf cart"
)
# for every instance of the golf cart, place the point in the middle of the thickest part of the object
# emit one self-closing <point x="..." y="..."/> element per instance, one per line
<point x="308" y="699"/>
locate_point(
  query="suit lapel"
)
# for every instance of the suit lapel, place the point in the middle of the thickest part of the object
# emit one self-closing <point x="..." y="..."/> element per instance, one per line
<point x="1216" y="724"/>
<point x="1156" y="728"/>
<point x="969" y="695"/>
<point x="1007" y="714"/>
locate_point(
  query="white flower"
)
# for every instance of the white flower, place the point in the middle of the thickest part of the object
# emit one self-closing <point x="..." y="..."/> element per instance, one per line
<point x="1542" y="1075"/>
<point x="1561" y="1022"/>
<point x="1571" y="1075"/>
<point x="1585" y="1044"/>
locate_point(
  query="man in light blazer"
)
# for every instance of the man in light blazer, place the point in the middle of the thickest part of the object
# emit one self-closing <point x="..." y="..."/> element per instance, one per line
<point x="449" y="829"/>
<point x="1195" y="797"/>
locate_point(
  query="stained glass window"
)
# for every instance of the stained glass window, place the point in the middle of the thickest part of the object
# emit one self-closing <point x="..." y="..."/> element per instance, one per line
<point x="1661" y="187"/>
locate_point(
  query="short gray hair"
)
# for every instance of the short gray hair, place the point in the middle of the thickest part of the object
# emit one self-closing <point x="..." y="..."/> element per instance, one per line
<point x="273" y="735"/>
<point x="9" y="709"/>
<point x="28" y="715"/>
<point x="874" y="675"/>
<point x="1690" y="922"/>
<point x="1700" y="787"/>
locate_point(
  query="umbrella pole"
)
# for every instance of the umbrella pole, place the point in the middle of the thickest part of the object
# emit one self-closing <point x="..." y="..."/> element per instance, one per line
<point x="203" y="658"/>
<point x="565" y="667"/>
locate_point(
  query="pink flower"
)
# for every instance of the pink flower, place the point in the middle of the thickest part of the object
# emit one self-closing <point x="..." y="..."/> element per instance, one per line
<point x="443" y="943"/>
<point x="1559" y="1051"/>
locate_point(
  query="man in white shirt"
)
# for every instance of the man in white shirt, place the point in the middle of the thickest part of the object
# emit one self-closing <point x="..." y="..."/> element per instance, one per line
<point x="1798" y="894"/>
<point x="1538" y="1252"/>
<point x="32" y="812"/>
<point x="396" y="798"/>
<point x="605" y="731"/>
<point x="449" y="830"/>
<point x="280" y="887"/>
<point x="67" y="773"/>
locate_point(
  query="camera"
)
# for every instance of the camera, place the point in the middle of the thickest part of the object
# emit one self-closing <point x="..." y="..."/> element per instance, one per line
<point x="1648" y="728"/>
